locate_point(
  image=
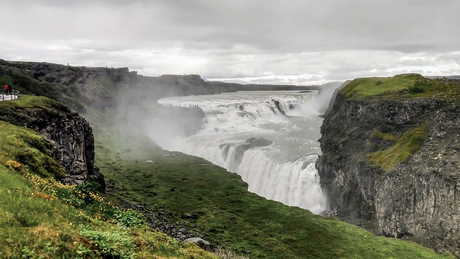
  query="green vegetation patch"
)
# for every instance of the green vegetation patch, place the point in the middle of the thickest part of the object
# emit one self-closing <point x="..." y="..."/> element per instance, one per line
<point x="22" y="111"/>
<point x="385" y="136"/>
<point x="403" y="148"/>
<point x="115" y="243"/>
<point x="24" y="150"/>
<point x="30" y="101"/>
<point x="221" y="208"/>
<point x="405" y="85"/>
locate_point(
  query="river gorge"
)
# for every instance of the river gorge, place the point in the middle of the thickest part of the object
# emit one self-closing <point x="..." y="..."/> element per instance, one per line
<point x="269" y="138"/>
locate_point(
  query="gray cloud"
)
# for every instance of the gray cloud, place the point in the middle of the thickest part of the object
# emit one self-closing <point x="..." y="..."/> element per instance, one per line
<point x="259" y="39"/>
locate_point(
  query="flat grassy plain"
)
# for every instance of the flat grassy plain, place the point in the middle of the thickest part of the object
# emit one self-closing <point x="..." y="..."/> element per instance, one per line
<point x="224" y="211"/>
<point x="401" y="86"/>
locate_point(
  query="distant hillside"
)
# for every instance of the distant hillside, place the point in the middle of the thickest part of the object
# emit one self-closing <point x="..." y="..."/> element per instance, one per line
<point x="454" y="77"/>
<point x="102" y="88"/>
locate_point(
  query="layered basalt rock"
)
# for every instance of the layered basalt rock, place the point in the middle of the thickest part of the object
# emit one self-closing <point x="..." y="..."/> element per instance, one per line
<point x="73" y="144"/>
<point x="390" y="162"/>
<point x="70" y="134"/>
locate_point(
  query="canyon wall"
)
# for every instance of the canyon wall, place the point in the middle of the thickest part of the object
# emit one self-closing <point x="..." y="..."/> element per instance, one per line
<point x="391" y="156"/>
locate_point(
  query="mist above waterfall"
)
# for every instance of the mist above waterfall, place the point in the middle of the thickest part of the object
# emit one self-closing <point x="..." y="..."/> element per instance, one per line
<point x="320" y="103"/>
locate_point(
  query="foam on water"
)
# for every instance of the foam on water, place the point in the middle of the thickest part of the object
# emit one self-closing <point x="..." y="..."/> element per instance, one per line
<point x="283" y="171"/>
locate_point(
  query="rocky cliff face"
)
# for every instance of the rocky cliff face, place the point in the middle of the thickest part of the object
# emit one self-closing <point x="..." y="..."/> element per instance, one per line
<point x="391" y="153"/>
<point x="70" y="134"/>
<point x="73" y="144"/>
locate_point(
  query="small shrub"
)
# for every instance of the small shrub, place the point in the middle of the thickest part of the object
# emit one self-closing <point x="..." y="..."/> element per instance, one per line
<point x="114" y="244"/>
<point x="86" y="191"/>
<point x="15" y="166"/>
<point x="74" y="201"/>
<point x="27" y="253"/>
<point x="130" y="218"/>
<point x="83" y="251"/>
<point x="416" y="90"/>
<point x="88" y="187"/>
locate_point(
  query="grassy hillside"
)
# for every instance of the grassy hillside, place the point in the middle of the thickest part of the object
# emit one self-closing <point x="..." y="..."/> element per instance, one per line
<point x="41" y="218"/>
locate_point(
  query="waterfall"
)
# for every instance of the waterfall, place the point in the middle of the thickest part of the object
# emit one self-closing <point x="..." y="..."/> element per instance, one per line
<point x="268" y="138"/>
<point x="297" y="185"/>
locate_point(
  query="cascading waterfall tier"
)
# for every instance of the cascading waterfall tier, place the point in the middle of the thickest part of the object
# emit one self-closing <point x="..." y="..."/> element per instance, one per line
<point x="269" y="138"/>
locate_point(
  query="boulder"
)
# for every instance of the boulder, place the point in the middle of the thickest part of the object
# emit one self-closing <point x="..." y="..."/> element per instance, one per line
<point x="203" y="244"/>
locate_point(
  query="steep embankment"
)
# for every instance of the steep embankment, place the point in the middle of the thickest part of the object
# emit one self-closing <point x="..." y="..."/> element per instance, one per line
<point x="42" y="218"/>
<point x="391" y="155"/>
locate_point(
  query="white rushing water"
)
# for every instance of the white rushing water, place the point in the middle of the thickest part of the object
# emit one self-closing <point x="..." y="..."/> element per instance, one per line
<point x="283" y="170"/>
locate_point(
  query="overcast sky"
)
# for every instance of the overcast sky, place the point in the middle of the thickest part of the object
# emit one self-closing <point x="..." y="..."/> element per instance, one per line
<point x="265" y="41"/>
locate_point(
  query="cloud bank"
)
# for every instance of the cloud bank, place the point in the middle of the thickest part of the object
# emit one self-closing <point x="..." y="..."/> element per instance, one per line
<point x="249" y="41"/>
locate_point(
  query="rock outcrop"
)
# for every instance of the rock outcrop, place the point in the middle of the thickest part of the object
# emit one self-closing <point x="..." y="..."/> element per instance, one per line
<point x="73" y="144"/>
<point x="70" y="134"/>
<point x="203" y="244"/>
<point x="391" y="153"/>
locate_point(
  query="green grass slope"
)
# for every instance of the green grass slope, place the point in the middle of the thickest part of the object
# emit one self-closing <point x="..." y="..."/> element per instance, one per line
<point x="41" y="218"/>
<point x="224" y="211"/>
